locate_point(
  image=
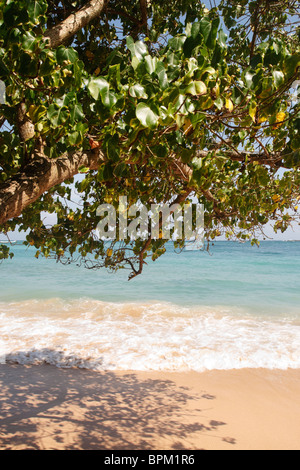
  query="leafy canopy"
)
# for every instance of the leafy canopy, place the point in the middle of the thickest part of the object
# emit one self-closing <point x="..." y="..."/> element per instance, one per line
<point x="183" y="100"/>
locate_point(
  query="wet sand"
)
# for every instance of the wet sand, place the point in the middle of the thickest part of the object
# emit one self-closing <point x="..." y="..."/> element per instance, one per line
<point x="46" y="408"/>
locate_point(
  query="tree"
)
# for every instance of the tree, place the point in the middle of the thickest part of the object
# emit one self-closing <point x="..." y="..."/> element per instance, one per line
<point x="154" y="101"/>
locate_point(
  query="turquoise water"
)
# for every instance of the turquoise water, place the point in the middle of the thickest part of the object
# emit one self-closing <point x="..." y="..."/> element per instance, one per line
<point x="264" y="279"/>
<point x="238" y="306"/>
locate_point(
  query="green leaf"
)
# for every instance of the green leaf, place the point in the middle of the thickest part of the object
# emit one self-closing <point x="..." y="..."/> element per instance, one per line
<point x="222" y="38"/>
<point x="108" y="172"/>
<point x="278" y="78"/>
<point x="28" y="42"/>
<point x="67" y="99"/>
<point x="249" y="79"/>
<point x="111" y="147"/>
<point x="83" y="169"/>
<point x="196" y="88"/>
<point x="76" y="113"/>
<point x="176" y="44"/>
<point x="138" y="49"/>
<point x="97" y="86"/>
<point x="196" y="118"/>
<point x="196" y="28"/>
<point x="151" y="63"/>
<point x="66" y="54"/>
<point x="197" y="163"/>
<point x="262" y="176"/>
<point x="2" y="92"/>
<point x="13" y="14"/>
<point x="5" y="253"/>
<point x="57" y="115"/>
<point x="295" y="143"/>
<point x="138" y="91"/>
<point x="121" y="170"/>
<point x="291" y="64"/>
<point x="210" y="71"/>
<point x="161" y="151"/>
<point x="146" y="116"/>
<point x="205" y="28"/>
<point x="190" y="44"/>
<point x="3" y="69"/>
<point x="37" y="112"/>
<point x="182" y="105"/>
<point x="74" y="138"/>
<point x="27" y="65"/>
<point x="114" y="74"/>
<point x="108" y="98"/>
<point x="211" y="41"/>
<point x="219" y="103"/>
<point x="292" y="160"/>
<point x="162" y="76"/>
<point x="36" y="8"/>
<point x="186" y="155"/>
<point x="209" y="31"/>
<point x="173" y="59"/>
<point x="47" y="66"/>
<point x="252" y="110"/>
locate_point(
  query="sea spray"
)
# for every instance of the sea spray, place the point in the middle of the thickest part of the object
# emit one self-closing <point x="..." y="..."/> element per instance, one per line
<point x="133" y="336"/>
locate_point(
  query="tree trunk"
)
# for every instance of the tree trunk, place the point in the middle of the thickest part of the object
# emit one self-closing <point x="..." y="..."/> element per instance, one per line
<point x="40" y="175"/>
<point x="67" y="28"/>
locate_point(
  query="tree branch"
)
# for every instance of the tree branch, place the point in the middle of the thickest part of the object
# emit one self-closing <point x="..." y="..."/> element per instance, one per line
<point x="136" y="272"/>
<point x="43" y="173"/>
<point x="187" y="173"/>
<point x="273" y="160"/>
<point x="143" y="6"/>
<point x="255" y="26"/>
<point x="40" y="175"/>
<point x="25" y="126"/>
<point x="67" y="28"/>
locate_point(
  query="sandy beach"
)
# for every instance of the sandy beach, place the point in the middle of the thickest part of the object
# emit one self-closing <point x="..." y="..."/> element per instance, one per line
<point x="47" y="408"/>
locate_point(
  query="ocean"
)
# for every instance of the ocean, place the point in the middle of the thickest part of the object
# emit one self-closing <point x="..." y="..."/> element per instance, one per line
<point x="235" y="307"/>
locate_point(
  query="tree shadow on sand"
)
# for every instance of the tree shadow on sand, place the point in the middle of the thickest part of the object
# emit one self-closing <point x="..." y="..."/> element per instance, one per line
<point x="43" y="407"/>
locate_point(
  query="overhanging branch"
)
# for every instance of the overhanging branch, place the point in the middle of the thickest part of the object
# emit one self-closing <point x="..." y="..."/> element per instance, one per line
<point x="67" y="28"/>
<point x="273" y="160"/>
<point x="40" y="175"/>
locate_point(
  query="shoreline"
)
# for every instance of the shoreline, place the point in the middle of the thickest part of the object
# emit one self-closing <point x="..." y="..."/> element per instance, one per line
<point x="47" y="408"/>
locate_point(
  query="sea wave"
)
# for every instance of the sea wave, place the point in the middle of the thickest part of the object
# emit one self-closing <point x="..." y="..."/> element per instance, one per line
<point x="102" y="336"/>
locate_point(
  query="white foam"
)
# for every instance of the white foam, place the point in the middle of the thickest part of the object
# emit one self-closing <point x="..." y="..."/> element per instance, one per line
<point x="110" y="336"/>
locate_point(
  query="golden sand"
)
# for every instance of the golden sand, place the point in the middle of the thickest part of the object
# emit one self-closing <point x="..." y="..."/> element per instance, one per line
<point x="45" y="408"/>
